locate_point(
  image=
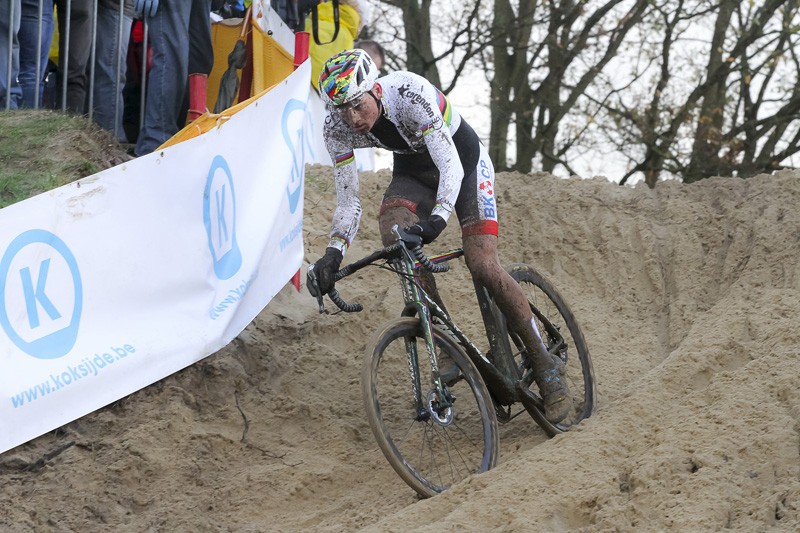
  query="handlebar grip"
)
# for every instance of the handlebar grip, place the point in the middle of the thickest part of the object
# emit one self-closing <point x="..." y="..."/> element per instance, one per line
<point x="341" y="304"/>
<point x="343" y="273"/>
<point x="436" y="268"/>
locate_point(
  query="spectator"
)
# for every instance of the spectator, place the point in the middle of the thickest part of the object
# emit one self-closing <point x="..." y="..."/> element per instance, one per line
<point x="229" y="9"/>
<point x="35" y="36"/>
<point x="201" y="61"/>
<point x="137" y="61"/>
<point x="292" y="12"/>
<point x="111" y="51"/>
<point x="335" y="33"/>
<point x="74" y="53"/>
<point x="10" y="91"/>
<point x="351" y="20"/>
<point x="375" y="51"/>
<point x="180" y="35"/>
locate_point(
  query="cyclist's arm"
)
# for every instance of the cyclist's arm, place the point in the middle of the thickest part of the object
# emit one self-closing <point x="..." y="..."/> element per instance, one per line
<point x="425" y="112"/>
<point x="347" y="215"/>
<point x="445" y="155"/>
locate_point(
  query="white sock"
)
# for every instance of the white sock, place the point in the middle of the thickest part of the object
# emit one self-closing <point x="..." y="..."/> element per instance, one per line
<point x="538" y="336"/>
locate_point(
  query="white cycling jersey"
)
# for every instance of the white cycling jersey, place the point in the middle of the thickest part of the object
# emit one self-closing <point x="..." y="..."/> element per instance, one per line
<point x="417" y="120"/>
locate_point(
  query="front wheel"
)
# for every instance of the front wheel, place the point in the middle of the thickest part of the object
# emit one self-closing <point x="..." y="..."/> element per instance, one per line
<point x="563" y="337"/>
<point x="429" y="447"/>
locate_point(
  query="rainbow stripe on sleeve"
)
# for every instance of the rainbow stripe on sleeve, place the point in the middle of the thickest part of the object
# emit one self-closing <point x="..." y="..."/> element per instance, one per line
<point x="344" y="159"/>
<point x="444" y="107"/>
<point x="340" y="238"/>
<point x="428" y="128"/>
<point x="447" y="114"/>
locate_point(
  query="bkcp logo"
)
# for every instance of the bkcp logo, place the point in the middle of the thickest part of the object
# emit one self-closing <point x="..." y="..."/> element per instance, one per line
<point x="219" y="216"/>
<point x="42" y="294"/>
<point x="294" y="116"/>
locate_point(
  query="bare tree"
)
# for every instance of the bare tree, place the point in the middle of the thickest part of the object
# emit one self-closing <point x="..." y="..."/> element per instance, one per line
<point x="546" y="55"/>
<point x="734" y="113"/>
<point x="512" y="29"/>
<point x="678" y="88"/>
<point x="636" y="103"/>
<point x="458" y="29"/>
<point x="749" y="116"/>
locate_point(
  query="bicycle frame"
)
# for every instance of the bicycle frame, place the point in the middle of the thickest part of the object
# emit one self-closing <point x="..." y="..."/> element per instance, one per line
<point x="449" y="430"/>
<point x="418" y="302"/>
<point x="498" y="369"/>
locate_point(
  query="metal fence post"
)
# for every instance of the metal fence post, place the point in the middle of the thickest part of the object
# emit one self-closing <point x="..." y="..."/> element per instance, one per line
<point x="10" y="55"/>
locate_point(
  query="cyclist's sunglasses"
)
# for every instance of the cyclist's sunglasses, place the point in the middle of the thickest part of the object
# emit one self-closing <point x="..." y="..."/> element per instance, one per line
<point x="353" y="105"/>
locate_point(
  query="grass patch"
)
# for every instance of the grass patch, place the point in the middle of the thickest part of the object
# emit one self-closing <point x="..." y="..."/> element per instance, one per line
<point x="42" y="150"/>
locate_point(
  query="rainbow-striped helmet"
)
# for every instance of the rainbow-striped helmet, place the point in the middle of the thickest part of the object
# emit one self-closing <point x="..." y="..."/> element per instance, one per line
<point x="346" y="76"/>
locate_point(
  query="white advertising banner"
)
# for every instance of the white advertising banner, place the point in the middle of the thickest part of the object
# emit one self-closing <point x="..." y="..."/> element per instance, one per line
<point x="118" y="280"/>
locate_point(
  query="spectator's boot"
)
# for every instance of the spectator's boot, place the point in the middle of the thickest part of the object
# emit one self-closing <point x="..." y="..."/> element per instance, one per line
<point x="197" y="96"/>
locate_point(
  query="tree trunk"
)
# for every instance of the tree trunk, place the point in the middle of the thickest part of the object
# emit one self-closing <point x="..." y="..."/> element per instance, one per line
<point x="419" y="49"/>
<point x="708" y="134"/>
<point x="510" y="35"/>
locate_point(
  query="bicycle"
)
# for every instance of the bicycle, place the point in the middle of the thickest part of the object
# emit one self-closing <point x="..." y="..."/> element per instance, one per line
<point x="435" y="418"/>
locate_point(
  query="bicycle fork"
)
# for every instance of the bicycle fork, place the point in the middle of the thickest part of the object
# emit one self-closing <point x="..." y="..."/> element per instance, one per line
<point x="439" y="401"/>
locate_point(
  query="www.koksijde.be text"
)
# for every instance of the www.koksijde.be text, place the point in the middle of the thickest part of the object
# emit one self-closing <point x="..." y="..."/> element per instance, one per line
<point x="292" y="235"/>
<point x="234" y="295"/>
<point x="87" y="367"/>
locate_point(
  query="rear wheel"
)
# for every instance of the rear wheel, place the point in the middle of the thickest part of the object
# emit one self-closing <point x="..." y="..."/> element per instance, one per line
<point x="431" y="447"/>
<point x="562" y="336"/>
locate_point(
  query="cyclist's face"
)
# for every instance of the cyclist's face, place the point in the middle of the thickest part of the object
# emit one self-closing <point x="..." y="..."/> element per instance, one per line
<point x="361" y="113"/>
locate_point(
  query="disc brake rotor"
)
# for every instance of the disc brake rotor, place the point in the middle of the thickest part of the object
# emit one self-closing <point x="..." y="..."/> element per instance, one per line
<point x="442" y="416"/>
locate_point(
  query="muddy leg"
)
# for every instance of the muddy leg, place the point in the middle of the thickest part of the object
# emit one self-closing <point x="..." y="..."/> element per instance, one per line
<point x="404" y="218"/>
<point x="480" y="252"/>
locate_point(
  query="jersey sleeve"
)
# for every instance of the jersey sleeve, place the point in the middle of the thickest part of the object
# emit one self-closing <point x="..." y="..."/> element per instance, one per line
<point x="347" y="215"/>
<point x="445" y="155"/>
<point x="430" y="110"/>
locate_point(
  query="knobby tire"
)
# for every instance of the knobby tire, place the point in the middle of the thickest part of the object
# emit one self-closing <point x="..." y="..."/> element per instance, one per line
<point x="428" y="455"/>
<point x="580" y="374"/>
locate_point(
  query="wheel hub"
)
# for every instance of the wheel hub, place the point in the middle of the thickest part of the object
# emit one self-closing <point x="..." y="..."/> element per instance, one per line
<point x="441" y="415"/>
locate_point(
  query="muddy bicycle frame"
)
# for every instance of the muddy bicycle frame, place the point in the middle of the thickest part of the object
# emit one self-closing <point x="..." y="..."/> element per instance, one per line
<point x="497" y="368"/>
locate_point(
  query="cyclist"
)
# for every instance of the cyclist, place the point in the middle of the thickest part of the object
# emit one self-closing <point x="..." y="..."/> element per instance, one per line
<point x="440" y="166"/>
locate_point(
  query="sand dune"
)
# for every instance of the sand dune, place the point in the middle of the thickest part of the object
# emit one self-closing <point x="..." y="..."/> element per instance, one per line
<point x="689" y="298"/>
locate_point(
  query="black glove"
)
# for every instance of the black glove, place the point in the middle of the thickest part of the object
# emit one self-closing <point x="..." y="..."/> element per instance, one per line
<point x="326" y="268"/>
<point x="428" y="229"/>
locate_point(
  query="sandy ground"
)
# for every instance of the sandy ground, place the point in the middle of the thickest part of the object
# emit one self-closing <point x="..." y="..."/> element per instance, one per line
<point x="688" y="296"/>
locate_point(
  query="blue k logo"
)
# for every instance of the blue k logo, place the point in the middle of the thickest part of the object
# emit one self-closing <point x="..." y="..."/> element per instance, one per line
<point x="42" y="295"/>
<point x="219" y="216"/>
<point x="294" y="140"/>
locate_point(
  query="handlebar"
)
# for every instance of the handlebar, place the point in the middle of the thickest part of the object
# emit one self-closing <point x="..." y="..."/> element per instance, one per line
<point x="407" y="245"/>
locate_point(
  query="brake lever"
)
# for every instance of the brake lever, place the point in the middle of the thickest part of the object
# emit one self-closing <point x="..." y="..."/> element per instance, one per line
<point x="413" y="249"/>
<point x="312" y="284"/>
<point x="413" y="240"/>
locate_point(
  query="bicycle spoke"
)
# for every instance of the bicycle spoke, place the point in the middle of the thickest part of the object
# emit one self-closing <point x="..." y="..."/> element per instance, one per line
<point x="562" y="338"/>
<point x="442" y="446"/>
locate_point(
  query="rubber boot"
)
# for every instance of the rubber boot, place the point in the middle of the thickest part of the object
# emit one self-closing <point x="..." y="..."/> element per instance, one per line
<point x="197" y="96"/>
